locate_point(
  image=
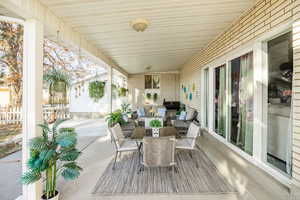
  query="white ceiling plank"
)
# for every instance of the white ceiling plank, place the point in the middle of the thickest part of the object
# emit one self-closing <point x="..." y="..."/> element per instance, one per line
<point x="178" y="29"/>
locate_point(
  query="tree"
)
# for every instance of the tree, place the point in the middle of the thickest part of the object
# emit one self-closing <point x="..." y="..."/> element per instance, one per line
<point x="11" y="49"/>
<point x="56" y="57"/>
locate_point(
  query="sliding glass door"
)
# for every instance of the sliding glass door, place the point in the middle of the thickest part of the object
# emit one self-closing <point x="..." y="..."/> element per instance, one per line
<point x="280" y="77"/>
<point x="220" y="100"/>
<point x="241" y="102"/>
<point x="206" y="97"/>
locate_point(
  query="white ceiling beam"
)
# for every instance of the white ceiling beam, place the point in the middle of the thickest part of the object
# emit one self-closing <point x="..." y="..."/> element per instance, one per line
<point x="34" y="9"/>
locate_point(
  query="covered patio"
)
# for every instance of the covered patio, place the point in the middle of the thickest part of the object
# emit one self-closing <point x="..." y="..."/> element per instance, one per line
<point x="223" y="73"/>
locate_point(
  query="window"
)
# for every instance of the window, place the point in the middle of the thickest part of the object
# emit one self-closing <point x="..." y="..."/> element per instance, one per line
<point x="279" y="118"/>
<point x="241" y="102"/>
<point x="220" y="100"/>
<point x="206" y="96"/>
<point x="152" y="81"/>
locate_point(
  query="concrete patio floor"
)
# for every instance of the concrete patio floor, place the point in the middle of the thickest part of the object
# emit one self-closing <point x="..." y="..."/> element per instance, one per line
<point x="98" y="152"/>
<point x="11" y="166"/>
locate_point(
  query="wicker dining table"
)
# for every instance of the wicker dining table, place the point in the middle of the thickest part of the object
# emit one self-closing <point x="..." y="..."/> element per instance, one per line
<point x="140" y="132"/>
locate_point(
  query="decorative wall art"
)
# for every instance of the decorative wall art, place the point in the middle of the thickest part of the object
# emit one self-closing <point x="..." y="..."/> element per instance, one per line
<point x="194" y="87"/>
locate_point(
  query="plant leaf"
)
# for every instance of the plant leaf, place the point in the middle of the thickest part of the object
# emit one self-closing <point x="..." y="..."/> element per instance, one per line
<point x="38" y="144"/>
<point x="70" y="155"/>
<point x="71" y="171"/>
<point x="30" y="177"/>
<point x="66" y="139"/>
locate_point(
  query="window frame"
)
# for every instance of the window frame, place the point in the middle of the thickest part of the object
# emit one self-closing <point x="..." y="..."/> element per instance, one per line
<point x="259" y="136"/>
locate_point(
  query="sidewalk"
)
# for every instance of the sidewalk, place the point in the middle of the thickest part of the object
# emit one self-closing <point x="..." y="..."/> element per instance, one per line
<point x="11" y="166"/>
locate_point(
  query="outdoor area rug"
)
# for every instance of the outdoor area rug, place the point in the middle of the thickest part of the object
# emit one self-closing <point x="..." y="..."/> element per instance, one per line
<point x="125" y="180"/>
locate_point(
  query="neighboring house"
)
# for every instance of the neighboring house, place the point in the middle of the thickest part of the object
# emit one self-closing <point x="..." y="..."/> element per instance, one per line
<point x="81" y="105"/>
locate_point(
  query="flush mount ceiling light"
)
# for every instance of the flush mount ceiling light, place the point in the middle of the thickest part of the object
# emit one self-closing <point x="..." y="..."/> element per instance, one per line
<point x="139" y="25"/>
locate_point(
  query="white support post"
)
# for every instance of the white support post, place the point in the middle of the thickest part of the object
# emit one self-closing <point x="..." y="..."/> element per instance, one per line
<point x="32" y="95"/>
<point x="109" y="86"/>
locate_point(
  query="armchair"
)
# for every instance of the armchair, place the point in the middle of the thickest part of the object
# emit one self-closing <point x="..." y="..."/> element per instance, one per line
<point x="121" y="143"/>
<point x="189" y="142"/>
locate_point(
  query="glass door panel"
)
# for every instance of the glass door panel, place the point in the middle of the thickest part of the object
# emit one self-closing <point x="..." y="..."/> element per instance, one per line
<point x="241" y="102"/>
<point x="280" y="76"/>
<point x="220" y="100"/>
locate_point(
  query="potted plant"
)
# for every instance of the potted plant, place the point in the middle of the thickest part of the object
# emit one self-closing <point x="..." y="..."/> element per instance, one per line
<point x="148" y="96"/>
<point x="96" y="90"/>
<point x="126" y="111"/>
<point x="46" y="151"/>
<point x="114" y="118"/>
<point x="123" y="92"/>
<point x="155" y="97"/>
<point x="58" y="82"/>
<point x="155" y="124"/>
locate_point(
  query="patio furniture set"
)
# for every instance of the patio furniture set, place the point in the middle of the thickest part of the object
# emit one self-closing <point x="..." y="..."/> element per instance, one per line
<point x="176" y="134"/>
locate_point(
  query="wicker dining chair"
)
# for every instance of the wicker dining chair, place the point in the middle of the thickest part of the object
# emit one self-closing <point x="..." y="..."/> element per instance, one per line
<point x="121" y="143"/>
<point x="188" y="142"/>
<point x="158" y="152"/>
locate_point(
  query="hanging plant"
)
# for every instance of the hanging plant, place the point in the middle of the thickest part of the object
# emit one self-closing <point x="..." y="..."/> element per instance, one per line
<point x="148" y="96"/>
<point x="96" y="90"/>
<point x="155" y="97"/>
<point x="123" y="92"/>
<point x="58" y="82"/>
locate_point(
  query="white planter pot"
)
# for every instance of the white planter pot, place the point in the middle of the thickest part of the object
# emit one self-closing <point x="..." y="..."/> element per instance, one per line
<point x="53" y="198"/>
<point x="155" y="132"/>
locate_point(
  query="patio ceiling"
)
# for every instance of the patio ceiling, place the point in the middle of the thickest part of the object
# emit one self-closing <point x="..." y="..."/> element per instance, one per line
<point x="178" y="29"/>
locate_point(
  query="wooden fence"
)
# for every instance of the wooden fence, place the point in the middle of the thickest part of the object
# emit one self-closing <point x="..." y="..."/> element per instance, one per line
<point x="13" y="115"/>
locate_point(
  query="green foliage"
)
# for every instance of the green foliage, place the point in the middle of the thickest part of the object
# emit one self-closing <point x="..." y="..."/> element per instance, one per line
<point x="55" y="77"/>
<point x="155" y="123"/>
<point x="114" y="118"/>
<point x="125" y="108"/>
<point x="54" y="144"/>
<point x="58" y="82"/>
<point x="123" y="92"/>
<point x="96" y="90"/>
<point x="182" y="108"/>
<point x="148" y="96"/>
<point x="155" y="97"/>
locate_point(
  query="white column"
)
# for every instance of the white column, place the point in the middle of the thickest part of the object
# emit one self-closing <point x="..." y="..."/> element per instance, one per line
<point x="109" y="86"/>
<point x="32" y="95"/>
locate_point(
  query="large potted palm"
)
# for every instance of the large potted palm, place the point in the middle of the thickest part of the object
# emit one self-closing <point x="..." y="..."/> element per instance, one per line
<point x="52" y="154"/>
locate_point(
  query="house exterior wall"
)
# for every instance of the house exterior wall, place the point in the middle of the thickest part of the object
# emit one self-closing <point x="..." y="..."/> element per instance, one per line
<point x="82" y="106"/>
<point x="264" y="17"/>
<point x="169" y="88"/>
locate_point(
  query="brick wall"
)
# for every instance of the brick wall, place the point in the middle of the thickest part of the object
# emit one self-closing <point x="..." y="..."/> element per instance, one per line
<point x="263" y="17"/>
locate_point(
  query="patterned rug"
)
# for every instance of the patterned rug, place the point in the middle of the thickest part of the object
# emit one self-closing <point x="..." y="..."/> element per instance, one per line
<point x="189" y="179"/>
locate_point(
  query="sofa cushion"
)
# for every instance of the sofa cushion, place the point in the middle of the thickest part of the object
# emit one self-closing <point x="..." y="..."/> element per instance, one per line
<point x="141" y="112"/>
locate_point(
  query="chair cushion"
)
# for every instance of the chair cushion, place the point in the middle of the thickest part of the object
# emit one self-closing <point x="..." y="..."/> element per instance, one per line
<point x="161" y="112"/>
<point x="184" y="143"/>
<point x="182" y="115"/>
<point x="128" y="145"/>
<point x="141" y="112"/>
